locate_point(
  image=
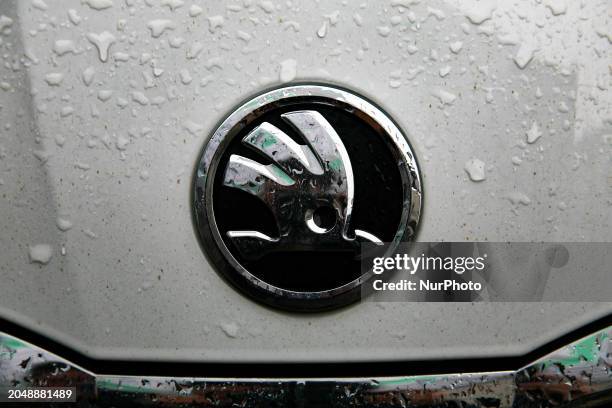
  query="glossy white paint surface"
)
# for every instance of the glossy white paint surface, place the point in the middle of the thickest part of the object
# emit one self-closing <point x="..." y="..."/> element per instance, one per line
<point x="104" y="112"/>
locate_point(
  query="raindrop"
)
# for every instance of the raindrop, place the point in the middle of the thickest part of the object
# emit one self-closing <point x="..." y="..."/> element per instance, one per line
<point x="230" y="329"/>
<point x="98" y="4"/>
<point x="62" y="47"/>
<point x="533" y="133"/>
<point x="102" y="41"/>
<point x="481" y="11"/>
<point x="63" y="224"/>
<point x="524" y="55"/>
<point x="475" y="169"/>
<point x="157" y="27"/>
<point x="41" y="253"/>
<point x="195" y="10"/>
<point x="54" y="78"/>
<point x="288" y="70"/>
<point x="215" y="22"/>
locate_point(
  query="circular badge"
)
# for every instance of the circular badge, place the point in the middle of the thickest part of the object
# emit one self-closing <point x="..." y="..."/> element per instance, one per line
<point x="291" y="185"/>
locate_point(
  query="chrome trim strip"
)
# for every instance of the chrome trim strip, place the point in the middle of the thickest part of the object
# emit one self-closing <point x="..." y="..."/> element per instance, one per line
<point x="577" y="375"/>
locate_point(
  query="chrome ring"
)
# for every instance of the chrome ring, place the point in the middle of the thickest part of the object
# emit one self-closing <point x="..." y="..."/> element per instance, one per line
<point x="254" y="108"/>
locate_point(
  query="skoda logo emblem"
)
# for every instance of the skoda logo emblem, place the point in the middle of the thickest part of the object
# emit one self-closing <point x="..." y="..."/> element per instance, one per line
<point x="291" y="184"/>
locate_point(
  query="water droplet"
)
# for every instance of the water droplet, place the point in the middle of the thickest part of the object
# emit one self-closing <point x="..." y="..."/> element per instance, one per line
<point x="54" y="78"/>
<point x="195" y="10"/>
<point x="538" y="92"/>
<point x="437" y="13"/>
<point x="176" y="42"/>
<point x="185" y="77"/>
<point x="102" y="41"/>
<point x="481" y="11"/>
<point x="74" y="17"/>
<point x="524" y="55"/>
<point x="40" y="5"/>
<point x="322" y="31"/>
<point x="63" y="224"/>
<point x="403" y="3"/>
<point x="41" y="253"/>
<point x="121" y="56"/>
<point x="82" y="166"/>
<point x="244" y="36"/>
<point x="194" y="50"/>
<point x="475" y="169"/>
<point x="517" y="197"/>
<point x="104" y="95"/>
<point x="267" y="6"/>
<point x="444" y="71"/>
<point x="230" y="329"/>
<point x="140" y="98"/>
<point x="89" y="233"/>
<point x="456" y="46"/>
<point x="533" y="133"/>
<point x="288" y="70"/>
<point x="98" y="4"/>
<point x="66" y="111"/>
<point x="383" y="31"/>
<point x="445" y="97"/>
<point x="157" y="27"/>
<point x="62" y="47"/>
<point x="556" y="7"/>
<point x="122" y="142"/>
<point x="88" y="75"/>
<point x="172" y="4"/>
<point x="5" y="22"/>
<point x="215" y="22"/>
<point x="192" y="127"/>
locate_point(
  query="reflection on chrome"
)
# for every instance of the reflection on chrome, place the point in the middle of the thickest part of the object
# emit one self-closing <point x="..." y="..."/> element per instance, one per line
<point x="303" y="181"/>
<point x="578" y="375"/>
